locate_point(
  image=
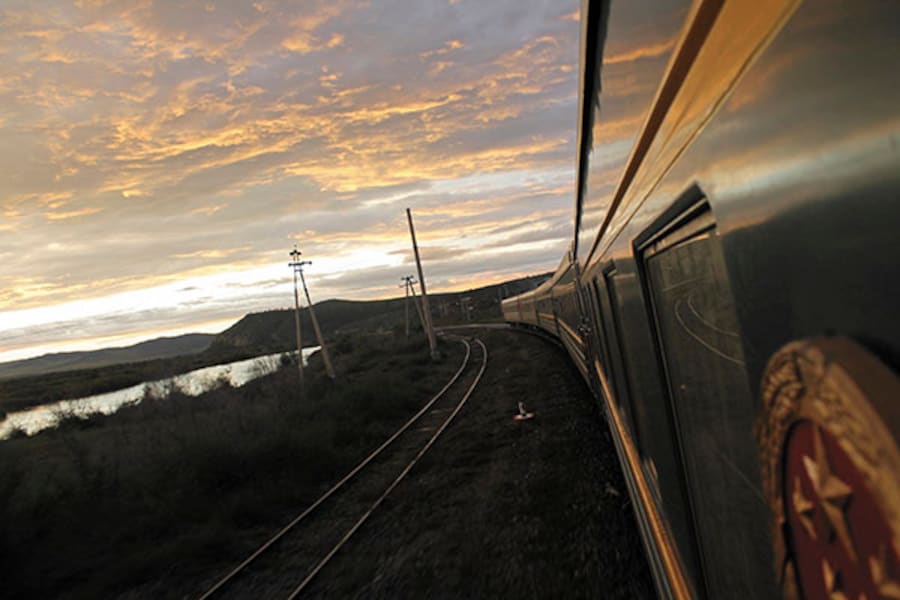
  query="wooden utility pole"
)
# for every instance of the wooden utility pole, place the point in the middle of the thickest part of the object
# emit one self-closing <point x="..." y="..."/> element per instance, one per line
<point x="406" y="285"/>
<point x="295" y="265"/>
<point x="410" y="285"/>
<point x="416" y="303"/>
<point x="429" y="328"/>
<point x="466" y="307"/>
<point x="329" y="370"/>
<point x="406" y="304"/>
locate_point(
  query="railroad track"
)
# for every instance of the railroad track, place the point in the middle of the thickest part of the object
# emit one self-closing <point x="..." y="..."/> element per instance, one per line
<point x="289" y="561"/>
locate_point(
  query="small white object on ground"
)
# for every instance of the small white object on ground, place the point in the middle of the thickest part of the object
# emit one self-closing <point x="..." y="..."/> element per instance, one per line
<point x="523" y="415"/>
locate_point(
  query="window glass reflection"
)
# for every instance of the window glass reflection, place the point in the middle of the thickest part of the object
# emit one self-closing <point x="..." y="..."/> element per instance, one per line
<point x="640" y="38"/>
<point x="714" y="413"/>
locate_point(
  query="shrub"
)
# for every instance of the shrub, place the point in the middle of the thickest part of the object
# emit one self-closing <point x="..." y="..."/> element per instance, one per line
<point x="115" y="500"/>
<point x="344" y="345"/>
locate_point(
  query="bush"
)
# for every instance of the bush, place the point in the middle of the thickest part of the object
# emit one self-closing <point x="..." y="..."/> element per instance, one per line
<point x="113" y="501"/>
<point x="344" y="345"/>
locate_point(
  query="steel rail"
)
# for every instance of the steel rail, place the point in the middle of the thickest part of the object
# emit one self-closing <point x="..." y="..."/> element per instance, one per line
<point x="359" y="523"/>
<point x="365" y="462"/>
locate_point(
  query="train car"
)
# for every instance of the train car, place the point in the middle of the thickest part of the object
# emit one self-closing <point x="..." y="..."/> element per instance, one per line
<point x="732" y="286"/>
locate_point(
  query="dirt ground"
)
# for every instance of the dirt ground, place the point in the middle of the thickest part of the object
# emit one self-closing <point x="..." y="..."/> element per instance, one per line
<point x="506" y="509"/>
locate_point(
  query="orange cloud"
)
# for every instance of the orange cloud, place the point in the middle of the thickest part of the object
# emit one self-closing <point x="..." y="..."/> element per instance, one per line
<point x="208" y="210"/>
<point x="156" y="118"/>
<point x="304" y="38"/>
<point x="649" y="51"/>
<point x="212" y="253"/>
<point x="72" y="214"/>
<point x="446" y="48"/>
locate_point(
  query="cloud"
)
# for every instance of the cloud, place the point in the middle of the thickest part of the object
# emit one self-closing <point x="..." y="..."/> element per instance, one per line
<point x="430" y="253"/>
<point x="152" y="144"/>
<point x="71" y="214"/>
<point x="661" y="48"/>
<point x="224" y="253"/>
<point x="208" y="210"/>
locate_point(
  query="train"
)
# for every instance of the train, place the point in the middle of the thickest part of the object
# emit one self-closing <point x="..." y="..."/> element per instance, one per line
<point x="730" y="292"/>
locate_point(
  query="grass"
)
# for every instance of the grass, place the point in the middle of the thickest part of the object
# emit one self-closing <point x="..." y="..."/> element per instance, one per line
<point x="172" y="488"/>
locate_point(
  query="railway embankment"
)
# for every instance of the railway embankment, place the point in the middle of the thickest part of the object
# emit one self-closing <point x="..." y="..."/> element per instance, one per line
<point x="502" y="508"/>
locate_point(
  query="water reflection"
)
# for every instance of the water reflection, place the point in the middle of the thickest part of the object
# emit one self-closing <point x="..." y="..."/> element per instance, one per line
<point x="193" y="383"/>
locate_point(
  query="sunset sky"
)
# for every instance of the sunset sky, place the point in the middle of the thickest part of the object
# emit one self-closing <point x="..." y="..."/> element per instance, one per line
<point x="158" y="160"/>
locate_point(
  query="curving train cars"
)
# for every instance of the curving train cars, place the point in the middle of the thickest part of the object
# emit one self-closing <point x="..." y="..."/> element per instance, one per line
<point x="731" y="290"/>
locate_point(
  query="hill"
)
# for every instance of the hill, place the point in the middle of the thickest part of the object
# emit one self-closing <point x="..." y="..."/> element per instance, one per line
<point x="273" y="331"/>
<point x="164" y="347"/>
<point x="62" y="376"/>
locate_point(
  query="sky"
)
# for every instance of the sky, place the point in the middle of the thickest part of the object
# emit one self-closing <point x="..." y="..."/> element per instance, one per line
<point x="159" y="160"/>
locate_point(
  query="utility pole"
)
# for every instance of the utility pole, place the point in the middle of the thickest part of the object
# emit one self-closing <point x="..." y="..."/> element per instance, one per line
<point x="429" y="328"/>
<point x="406" y="304"/>
<point x="329" y="370"/>
<point x="466" y="308"/>
<point x="416" y="303"/>
<point x="406" y="284"/>
<point x="410" y="285"/>
<point x="296" y="266"/>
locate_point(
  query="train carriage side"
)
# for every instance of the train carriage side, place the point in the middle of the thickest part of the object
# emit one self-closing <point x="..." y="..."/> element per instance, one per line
<point x="553" y="307"/>
<point x="738" y="171"/>
<point x="512" y="309"/>
<point x="569" y="327"/>
<point x="520" y="309"/>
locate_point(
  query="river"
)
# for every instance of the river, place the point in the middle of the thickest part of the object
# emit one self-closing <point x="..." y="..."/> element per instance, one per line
<point x="193" y="383"/>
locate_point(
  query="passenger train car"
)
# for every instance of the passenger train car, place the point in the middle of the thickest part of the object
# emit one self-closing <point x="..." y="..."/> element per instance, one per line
<point x="731" y="291"/>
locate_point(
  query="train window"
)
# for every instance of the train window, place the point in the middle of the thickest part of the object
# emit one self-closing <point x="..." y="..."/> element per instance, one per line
<point x="615" y="367"/>
<point x="702" y="357"/>
<point x="643" y="407"/>
<point x="600" y="335"/>
<point x="614" y="334"/>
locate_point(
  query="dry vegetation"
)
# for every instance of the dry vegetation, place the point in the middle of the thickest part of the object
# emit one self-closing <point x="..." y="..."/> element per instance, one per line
<point x="256" y="334"/>
<point x="172" y="487"/>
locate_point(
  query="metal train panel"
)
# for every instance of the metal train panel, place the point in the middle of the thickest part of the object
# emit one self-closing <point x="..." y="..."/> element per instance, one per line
<point x="745" y="248"/>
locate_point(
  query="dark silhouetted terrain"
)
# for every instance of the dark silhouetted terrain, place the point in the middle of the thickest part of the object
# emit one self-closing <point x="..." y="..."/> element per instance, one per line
<point x="268" y="332"/>
<point x="164" y="347"/>
<point x="181" y="486"/>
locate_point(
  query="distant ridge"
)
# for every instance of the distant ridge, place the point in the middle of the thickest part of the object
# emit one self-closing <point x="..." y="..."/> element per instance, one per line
<point x="163" y="347"/>
<point x="273" y="330"/>
<point x="256" y="333"/>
